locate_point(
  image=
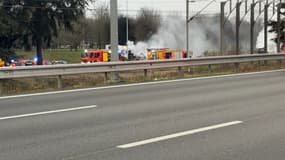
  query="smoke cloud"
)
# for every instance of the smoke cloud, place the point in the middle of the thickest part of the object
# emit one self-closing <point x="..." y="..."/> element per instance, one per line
<point x="272" y="47"/>
<point x="204" y="36"/>
<point x="172" y="34"/>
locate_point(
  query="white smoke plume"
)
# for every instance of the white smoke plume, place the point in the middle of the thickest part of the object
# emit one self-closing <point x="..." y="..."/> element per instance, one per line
<point x="271" y="45"/>
<point x="204" y="36"/>
<point x="172" y="34"/>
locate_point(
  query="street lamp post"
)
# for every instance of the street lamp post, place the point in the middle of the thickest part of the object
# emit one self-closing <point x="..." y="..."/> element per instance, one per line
<point x="187" y="25"/>
<point x="187" y="28"/>
<point x="238" y="22"/>
<point x="114" y="36"/>
<point x="114" y="29"/>
<point x="222" y="28"/>
<point x="252" y="23"/>
<point x="127" y="27"/>
<point x="265" y="26"/>
<point x="278" y="28"/>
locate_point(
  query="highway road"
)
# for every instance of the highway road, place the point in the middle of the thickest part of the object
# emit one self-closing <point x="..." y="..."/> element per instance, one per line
<point x="239" y="117"/>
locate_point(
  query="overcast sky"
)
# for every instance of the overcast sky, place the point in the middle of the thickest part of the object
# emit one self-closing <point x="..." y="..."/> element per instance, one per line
<point x="164" y="6"/>
<point x="174" y="7"/>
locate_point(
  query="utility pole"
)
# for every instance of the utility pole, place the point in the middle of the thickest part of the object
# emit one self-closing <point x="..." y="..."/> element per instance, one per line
<point x="222" y="28"/>
<point x="278" y="29"/>
<point x="127" y="28"/>
<point x="265" y="26"/>
<point x="114" y="29"/>
<point x="237" y="26"/>
<point x="187" y="28"/>
<point x="252" y="22"/>
<point x="282" y="26"/>
<point x="114" y="36"/>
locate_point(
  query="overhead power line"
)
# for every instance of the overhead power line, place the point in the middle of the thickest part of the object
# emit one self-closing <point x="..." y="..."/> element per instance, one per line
<point x="204" y="8"/>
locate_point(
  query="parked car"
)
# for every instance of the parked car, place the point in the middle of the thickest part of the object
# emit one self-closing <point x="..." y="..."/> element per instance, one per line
<point x="261" y="51"/>
<point x="25" y="62"/>
<point x="59" y="62"/>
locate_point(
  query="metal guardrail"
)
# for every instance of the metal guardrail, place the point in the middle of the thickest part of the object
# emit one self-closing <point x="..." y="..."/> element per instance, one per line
<point x="58" y="70"/>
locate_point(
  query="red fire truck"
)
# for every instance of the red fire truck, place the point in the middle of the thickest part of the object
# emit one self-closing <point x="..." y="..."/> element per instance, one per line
<point x="92" y="56"/>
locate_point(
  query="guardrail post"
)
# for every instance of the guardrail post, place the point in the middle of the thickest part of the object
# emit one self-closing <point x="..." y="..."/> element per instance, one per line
<point x="1" y="87"/>
<point x="151" y="73"/>
<point x="236" y="67"/>
<point x="145" y="74"/>
<point x="114" y="76"/>
<point x="280" y="62"/>
<point x="265" y="62"/>
<point x="190" y="69"/>
<point x="259" y="63"/>
<point x="59" y="82"/>
<point x="180" y="72"/>
<point x="106" y="77"/>
<point x="210" y="68"/>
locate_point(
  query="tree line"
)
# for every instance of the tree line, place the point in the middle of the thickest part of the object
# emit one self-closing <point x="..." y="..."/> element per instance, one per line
<point x="95" y="32"/>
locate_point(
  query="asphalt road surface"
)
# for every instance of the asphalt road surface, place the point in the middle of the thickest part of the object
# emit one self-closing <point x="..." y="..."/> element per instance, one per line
<point x="239" y="117"/>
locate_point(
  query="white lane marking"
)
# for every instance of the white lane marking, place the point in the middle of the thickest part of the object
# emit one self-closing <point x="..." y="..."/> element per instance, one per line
<point x="47" y="112"/>
<point x="176" y="135"/>
<point x="140" y="84"/>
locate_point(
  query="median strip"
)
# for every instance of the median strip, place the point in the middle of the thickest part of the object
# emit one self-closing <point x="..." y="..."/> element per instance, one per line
<point x="176" y="135"/>
<point x="47" y="112"/>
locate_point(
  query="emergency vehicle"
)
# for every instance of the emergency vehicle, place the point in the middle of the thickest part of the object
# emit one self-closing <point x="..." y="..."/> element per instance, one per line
<point x="165" y="53"/>
<point x="92" y="56"/>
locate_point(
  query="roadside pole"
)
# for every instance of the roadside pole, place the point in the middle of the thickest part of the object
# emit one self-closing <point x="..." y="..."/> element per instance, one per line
<point x="222" y="28"/>
<point x="238" y="27"/>
<point x="278" y="28"/>
<point x="265" y="26"/>
<point x="187" y="28"/>
<point x="114" y="37"/>
<point x="252" y="23"/>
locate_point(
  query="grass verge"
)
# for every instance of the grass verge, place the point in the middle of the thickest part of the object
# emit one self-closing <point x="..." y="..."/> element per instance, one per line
<point x="53" y="54"/>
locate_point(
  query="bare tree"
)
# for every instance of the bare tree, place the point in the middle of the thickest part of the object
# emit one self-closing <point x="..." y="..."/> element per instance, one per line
<point x="147" y="24"/>
<point x="102" y="26"/>
<point x="73" y="38"/>
<point x="95" y="31"/>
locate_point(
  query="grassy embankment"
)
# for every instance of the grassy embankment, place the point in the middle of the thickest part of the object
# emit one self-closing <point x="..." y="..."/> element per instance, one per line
<point x="53" y="54"/>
